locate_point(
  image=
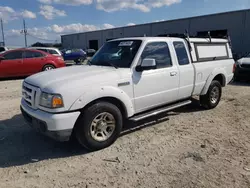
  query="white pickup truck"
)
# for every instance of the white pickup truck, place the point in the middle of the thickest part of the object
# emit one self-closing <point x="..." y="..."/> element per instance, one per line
<point x="128" y="78"/>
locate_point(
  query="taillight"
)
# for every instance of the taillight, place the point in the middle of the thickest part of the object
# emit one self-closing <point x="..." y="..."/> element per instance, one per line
<point x="234" y="67"/>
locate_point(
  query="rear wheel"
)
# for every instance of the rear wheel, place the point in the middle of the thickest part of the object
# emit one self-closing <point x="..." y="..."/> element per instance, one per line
<point x="48" y="67"/>
<point x="99" y="126"/>
<point x="213" y="96"/>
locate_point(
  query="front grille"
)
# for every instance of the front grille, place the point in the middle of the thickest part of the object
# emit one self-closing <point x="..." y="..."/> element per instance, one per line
<point x="29" y="94"/>
<point x="246" y="66"/>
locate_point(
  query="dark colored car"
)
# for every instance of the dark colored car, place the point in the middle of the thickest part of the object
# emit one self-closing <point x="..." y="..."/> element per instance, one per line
<point x="25" y="62"/>
<point x="242" y="68"/>
<point x="76" y="55"/>
<point x="91" y="52"/>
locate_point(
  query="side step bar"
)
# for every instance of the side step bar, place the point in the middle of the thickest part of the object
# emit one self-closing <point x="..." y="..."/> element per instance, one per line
<point x="159" y="111"/>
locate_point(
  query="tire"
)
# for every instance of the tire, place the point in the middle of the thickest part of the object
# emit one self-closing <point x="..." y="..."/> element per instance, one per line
<point x="48" y="67"/>
<point x="77" y="60"/>
<point x="90" y="122"/>
<point x="80" y="60"/>
<point x="213" y="96"/>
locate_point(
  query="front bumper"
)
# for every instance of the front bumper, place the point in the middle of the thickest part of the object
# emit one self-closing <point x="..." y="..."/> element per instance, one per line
<point x="56" y="126"/>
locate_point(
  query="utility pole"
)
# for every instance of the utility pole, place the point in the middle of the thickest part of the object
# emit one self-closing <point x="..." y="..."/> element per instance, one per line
<point x="2" y="32"/>
<point x="24" y="31"/>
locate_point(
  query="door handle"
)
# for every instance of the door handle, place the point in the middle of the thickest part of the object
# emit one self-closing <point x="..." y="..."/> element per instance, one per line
<point x="173" y="73"/>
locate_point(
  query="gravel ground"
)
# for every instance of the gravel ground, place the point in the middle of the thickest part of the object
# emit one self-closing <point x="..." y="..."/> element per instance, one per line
<point x="189" y="147"/>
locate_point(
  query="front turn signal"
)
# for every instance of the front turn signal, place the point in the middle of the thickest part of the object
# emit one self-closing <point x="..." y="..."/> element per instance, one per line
<point x="57" y="102"/>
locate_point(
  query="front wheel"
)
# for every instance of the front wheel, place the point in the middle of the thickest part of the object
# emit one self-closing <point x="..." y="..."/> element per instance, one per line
<point x="99" y="126"/>
<point x="213" y="96"/>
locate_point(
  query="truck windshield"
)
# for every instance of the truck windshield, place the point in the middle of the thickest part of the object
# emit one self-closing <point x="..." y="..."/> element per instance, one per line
<point x="119" y="54"/>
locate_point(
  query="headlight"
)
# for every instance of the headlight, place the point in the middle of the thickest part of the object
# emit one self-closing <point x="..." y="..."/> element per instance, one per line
<point x="51" y="100"/>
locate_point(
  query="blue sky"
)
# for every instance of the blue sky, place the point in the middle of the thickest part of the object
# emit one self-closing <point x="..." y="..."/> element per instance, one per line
<point x="46" y="20"/>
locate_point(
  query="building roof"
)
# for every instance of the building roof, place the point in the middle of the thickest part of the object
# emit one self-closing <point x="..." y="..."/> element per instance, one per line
<point x="216" y="14"/>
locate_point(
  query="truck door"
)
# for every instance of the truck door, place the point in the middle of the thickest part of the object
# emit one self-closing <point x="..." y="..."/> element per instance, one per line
<point x="159" y="86"/>
<point x="186" y="69"/>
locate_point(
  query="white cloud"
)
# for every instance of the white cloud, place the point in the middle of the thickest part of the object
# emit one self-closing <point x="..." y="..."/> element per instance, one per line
<point x="67" y="2"/>
<point x="107" y="26"/>
<point x="45" y="1"/>
<point x="9" y="14"/>
<point x="78" y="27"/>
<point x="39" y="33"/>
<point x="131" y="24"/>
<point x="13" y="33"/>
<point x="142" y="5"/>
<point x="54" y="31"/>
<point x="49" y="12"/>
<point x="28" y="14"/>
<point x="161" y="3"/>
<point x="7" y="9"/>
<point x="159" y="20"/>
<point x="73" y="28"/>
<point x="116" y="5"/>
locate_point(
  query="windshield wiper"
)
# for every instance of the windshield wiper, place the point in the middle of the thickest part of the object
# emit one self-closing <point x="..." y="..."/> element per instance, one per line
<point x="104" y="63"/>
<point x="113" y="65"/>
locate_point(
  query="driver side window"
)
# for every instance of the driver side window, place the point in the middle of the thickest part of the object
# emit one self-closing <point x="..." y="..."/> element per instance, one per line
<point x="158" y="51"/>
<point x="13" y="55"/>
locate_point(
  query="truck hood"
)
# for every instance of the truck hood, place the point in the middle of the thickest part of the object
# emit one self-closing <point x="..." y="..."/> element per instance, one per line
<point x="53" y="80"/>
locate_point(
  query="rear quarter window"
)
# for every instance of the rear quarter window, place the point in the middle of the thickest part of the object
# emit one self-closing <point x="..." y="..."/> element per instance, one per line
<point x="181" y="53"/>
<point x="44" y="50"/>
<point x="54" y="52"/>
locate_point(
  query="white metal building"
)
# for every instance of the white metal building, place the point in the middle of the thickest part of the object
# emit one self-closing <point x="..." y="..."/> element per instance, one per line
<point x="236" y="24"/>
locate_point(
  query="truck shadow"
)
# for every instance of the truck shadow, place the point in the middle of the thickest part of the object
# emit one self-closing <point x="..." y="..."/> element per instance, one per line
<point x="20" y="145"/>
<point x="193" y="107"/>
<point x="13" y="78"/>
<point x="131" y="126"/>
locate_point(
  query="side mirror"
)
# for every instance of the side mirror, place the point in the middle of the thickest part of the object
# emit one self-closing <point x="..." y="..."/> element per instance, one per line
<point x="147" y="64"/>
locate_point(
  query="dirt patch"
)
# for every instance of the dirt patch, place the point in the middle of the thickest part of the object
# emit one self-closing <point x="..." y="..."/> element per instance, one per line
<point x="190" y="147"/>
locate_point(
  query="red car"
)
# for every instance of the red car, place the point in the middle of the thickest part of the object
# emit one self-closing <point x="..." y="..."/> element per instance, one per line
<point x="25" y="62"/>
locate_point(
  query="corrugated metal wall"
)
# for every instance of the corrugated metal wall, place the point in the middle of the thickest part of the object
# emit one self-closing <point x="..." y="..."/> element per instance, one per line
<point x="237" y="24"/>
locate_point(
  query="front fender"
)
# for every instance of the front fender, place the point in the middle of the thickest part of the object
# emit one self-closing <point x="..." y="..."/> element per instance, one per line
<point x="211" y="78"/>
<point x="101" y="92"/>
